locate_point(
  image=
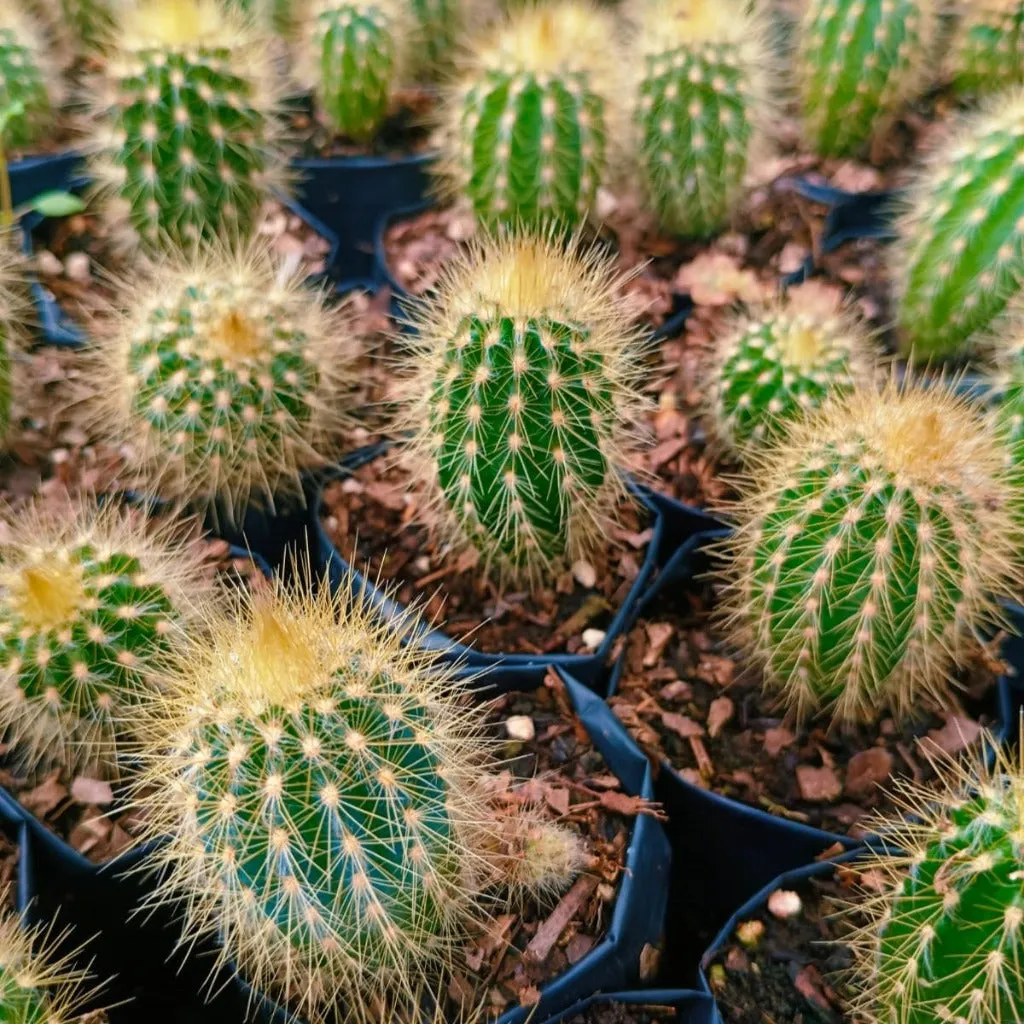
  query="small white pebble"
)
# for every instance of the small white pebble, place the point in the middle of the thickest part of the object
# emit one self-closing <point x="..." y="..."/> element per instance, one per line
<point x="593" y="638"/>
<point x="76" y="266"/>
<point x="750" y="933"/>
<point x="585" y="573"/>
<point x="520" y="727"/>
<point x="48" y="265"/>
<point x="461" y="227"/>
<point x="785" y="903"/>
<point x="422" y="564"/>
<point x="607" y="203"/>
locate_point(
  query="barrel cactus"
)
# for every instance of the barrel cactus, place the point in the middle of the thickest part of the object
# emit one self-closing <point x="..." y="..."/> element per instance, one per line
<point x="988" y="50"/>
<point x="224" y="379"/>
<point x="960" y="253"/>
<point x="185" y="126"/>
<point x="873" y="544"/>
<point x="27" y="76"/>
<point x="700" y="107"/>
<point x="777" y="363"/>
<point x="522" y="395"/>
<point x="945" y="938"/>
<point x="92" y="23"/>
<point x="89" y="602"/>
<point x="858" y="62"/>
<point x="528" y="126"/>
<point x="322" y="788"/>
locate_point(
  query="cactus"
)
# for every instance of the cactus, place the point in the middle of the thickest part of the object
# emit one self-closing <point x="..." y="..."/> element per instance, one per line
<point x="986" y="51"/>
<point x="27" y="76"/>
<point x="522" y="395"/>
<point x="185" y="144"/>
<point x="322" y="790"/>
<point x="960" y="253"/>
<point x="14" y="307"/>
<point x="944" y="939"/>
<point x="354" y="52"/>
<point x="92" y="23"/>
<point x="438" y="26"/>
<point x="700" y="107"/>
<point x="777" y="363"/>
<point x="873" y="545"/>
<point x="528" y="126"/>
<point x="858" y="62"/>
<point x="89" y="602"/>
<point x="225" y="379"/>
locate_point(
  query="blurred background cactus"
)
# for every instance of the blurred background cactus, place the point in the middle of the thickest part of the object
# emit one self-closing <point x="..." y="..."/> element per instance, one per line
<point x="30" y="81"/>
<point x="872" y="546"/>
<point x="702" y="106"/>
<point x="437" y="30"/>
<point x="987" y="52"/>
<point x="91" y="23"/>
<point x="523" y="399"/>
<point x="960" y="250"/>
<point x="858" y="62"/>
<point x="528" y="126"/>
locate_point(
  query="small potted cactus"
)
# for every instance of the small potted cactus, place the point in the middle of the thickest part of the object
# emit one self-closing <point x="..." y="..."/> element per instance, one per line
<point x="986" y="54"/>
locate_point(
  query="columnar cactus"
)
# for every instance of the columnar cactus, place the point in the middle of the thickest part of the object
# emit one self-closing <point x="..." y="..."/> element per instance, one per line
<point x="89" y="602"/>
<point x="354" y="51"/>
<point x="859" y="61"/>
<point x="91" y="23"/>
<point x="960" y="254"/>
<point x="14" y="307"/>
<point x="437" y="29"/>
<point x="701" y="107"/>
<point x="873" y="544"/>
<point x="224" y="379"/>
<point x="988" y="49"/>
<point x="945" y="940"/>
<point x="528" y="126"/>
<point x="777" y="363"/>
<point x="185" y="127"/>
<point x="522" y="395"/>
<point x="322" y="790"/>
<point x="27" y="76"/>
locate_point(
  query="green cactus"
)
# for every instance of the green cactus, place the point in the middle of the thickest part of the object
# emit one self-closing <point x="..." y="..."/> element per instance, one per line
<point x="28" y="77"/>
<point x="858" y="62"/>
<point x="224" y="380"/>
<point x="88" y="604"/>
<point x="92" y="23"/>
<point x="322" y="788"/>
<point x="356" y="46"/>
<point x="945" y="939"/>
<point x="438" y="27"/>
<point x="960" y="253"/>
<point x="185" y="145"/>
<point x="776" y="364"/>
<point x="700" y="107"/>
<point x="986" y="52"/>
<point x="528" y="126"/>
<point x="872" y="547"/>
<point x="523" y="393"/>
<point x="14" y="306"/>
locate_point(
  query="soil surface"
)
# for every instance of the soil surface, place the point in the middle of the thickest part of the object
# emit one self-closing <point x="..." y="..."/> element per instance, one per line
<point x="371" y="519"/>
<point x="626" y="1013"/>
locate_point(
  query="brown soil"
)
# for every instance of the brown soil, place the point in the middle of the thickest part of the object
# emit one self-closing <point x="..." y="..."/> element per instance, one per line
<point x="371" y="518"/>
<point x="625" y="1013"/>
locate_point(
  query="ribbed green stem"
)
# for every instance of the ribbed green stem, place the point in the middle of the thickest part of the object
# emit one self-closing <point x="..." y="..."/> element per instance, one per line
<point x="22" y="81"/>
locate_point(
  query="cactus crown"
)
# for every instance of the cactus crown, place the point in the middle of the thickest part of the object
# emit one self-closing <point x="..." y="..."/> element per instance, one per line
<point x="945" y="939"/>
<point x="27" y="75"/>
<point x="873" y="545"/>
<point x="304" y="727"/>
<point x="186" y="143"/>
<point x="89" y="600"/>
<point x="779" y="362"/>
<point x="960" y="254"/>
<point x="528" y="126"/>
<point x="523" y="393"/>
<point x="225" y="378"/>
<point x="701" y="106"/>
<point x="986" y="52"/>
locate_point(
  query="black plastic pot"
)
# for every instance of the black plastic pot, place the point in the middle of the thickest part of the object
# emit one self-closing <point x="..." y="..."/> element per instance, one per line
<point x="638" y="916"/>
<point x="34" y="175"/>
<point x="690" y="1007"/>
<point x="349" y="195"/>
<point x="671" y="524"/>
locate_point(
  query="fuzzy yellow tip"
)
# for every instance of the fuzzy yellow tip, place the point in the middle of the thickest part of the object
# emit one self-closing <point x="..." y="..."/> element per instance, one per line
<point x="552" y="857"/>
<point x="176" y="23"/>
<point x="48" y="594"/>
<point x="236" y="337"/>
<point x="802" y="346"/>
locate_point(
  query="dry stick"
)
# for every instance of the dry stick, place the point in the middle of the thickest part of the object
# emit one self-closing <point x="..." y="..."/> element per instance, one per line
<point x="548" y="933"/>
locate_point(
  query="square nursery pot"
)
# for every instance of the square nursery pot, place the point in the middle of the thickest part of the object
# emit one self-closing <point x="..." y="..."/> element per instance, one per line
<point x="690" y="1007"/>
<point x="638" y="916"/>
<point x="349" y="195"/>
<point x="33" y="175"/>
<point x="672" y="523"/>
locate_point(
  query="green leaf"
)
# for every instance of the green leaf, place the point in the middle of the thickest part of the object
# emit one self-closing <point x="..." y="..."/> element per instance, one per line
<point x="56" y="204"/>
<point x="8" y="113"/>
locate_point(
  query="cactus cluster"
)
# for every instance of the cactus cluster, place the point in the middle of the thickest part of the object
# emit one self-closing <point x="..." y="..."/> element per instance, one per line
<point x="27" y="76"/>
<point x="874" y="544"/>
<point x="322" y="788"/>
<point x="858" y="63"/>
<point x="523" y="393"/>
<point x="224" y="378"/>
<point x="777" y="363"/>
<point x="701" y="107"/>
<point x="89" y="603"/>
<point x="185" y="143"/>
<point x="987" y="47"/>
<point x="960" y="252"/>
<point x="529" y="125"/>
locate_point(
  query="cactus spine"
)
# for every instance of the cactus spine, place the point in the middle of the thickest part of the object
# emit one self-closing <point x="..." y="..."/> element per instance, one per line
<point x="528" y="126"/>
<point x="859" y="61"/>
<point x="225" y="380"/>
<point x="873" y="544"/>
<point x="14" y="307"/>
<point x="523" y="392"/>
<point x="778" y="363"/>
<point x="92" y="23"/>
<point x="27" y="76"/>
<point x="186" y="126"/>
<point x="700" y="107"/>
<point x="946" y="938"/>
<point x="987" y="48"/>
<point x="960" y="253"/>
<point x="351" y="759"/>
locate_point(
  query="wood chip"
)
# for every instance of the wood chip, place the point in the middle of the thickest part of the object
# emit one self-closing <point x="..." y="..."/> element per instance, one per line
<point x="550" y="930"/>
<point x="818" y="785"/>
<point x="681" y="725"/>
<point x="721" y="711"/>
<point x="866" y="769"/>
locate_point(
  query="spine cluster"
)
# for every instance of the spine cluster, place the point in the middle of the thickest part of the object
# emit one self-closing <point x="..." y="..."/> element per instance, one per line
<point x="26" y="77"/>
<point x="987" y="54"/>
